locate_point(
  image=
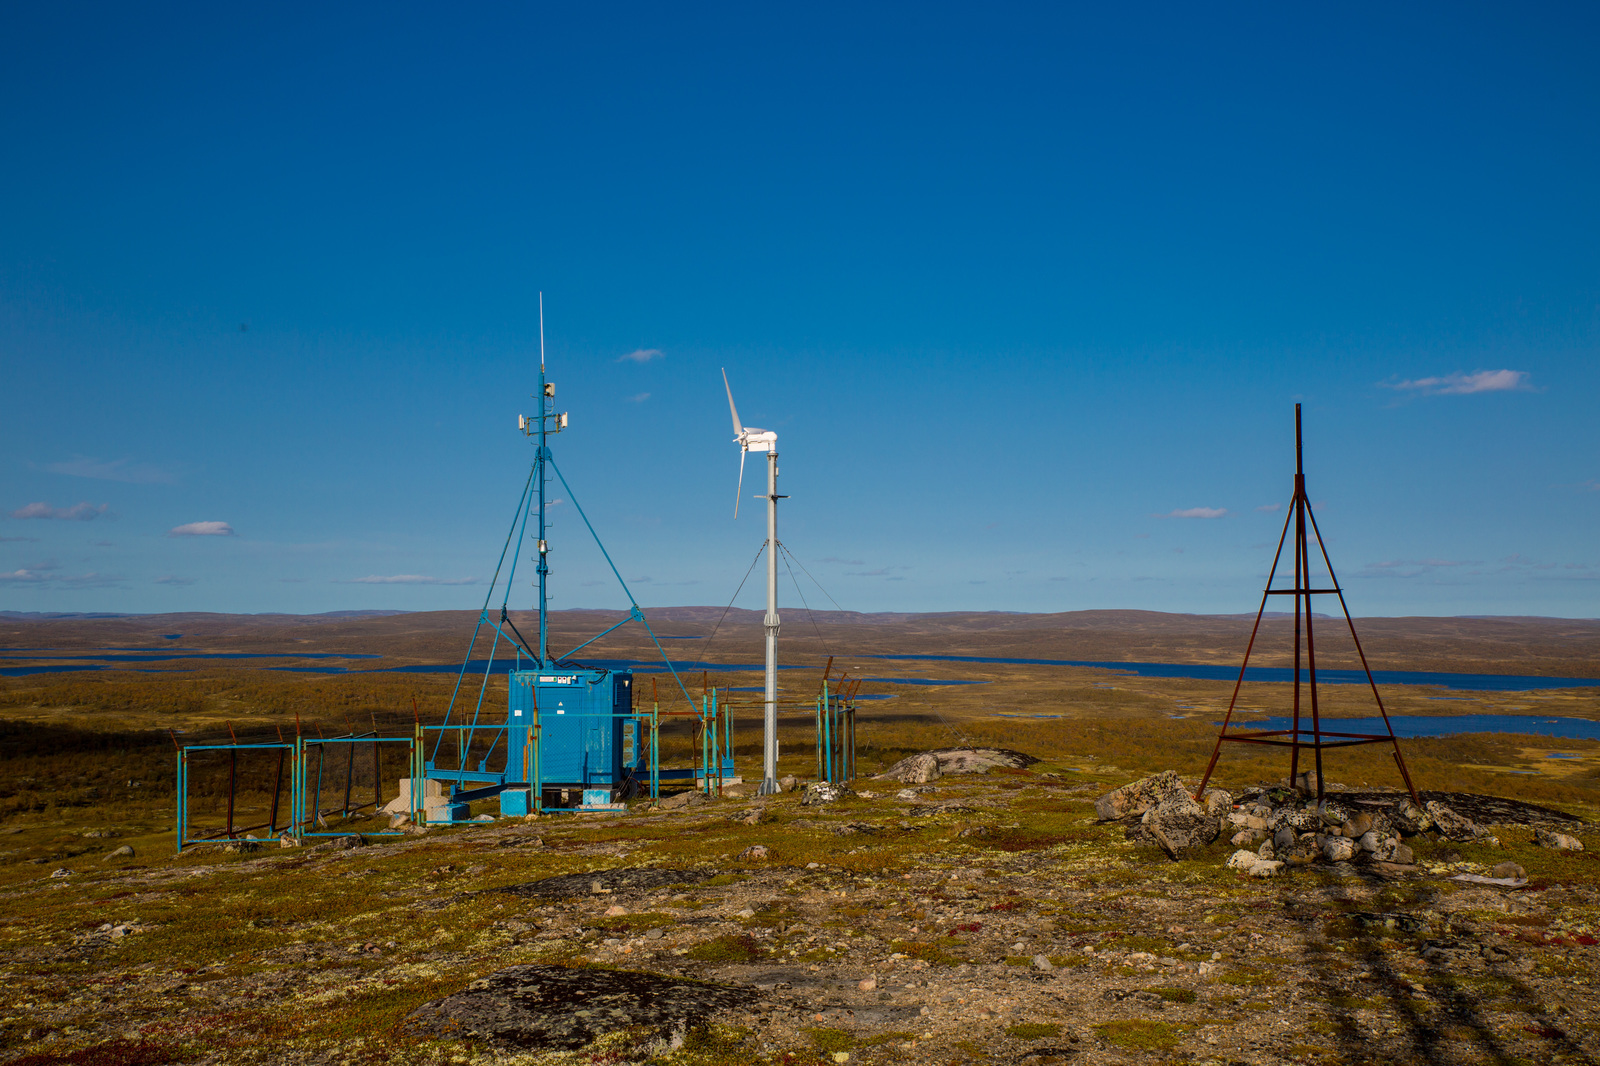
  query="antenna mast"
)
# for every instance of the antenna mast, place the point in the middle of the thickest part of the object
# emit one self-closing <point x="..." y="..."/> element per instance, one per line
<point x="547" y="394"/>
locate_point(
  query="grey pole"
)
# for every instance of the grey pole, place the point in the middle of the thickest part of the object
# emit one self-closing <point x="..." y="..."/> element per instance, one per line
<point x="769" y="754"/>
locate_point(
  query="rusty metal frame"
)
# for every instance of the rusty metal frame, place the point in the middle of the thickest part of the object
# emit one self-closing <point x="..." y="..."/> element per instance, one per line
<point x="1300" y="512"/>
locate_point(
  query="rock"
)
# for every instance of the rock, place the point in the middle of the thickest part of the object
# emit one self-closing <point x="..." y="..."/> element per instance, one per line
<point x="687" y="798"/>
<point x="1180" y="825"/>
<point x="1338" y="849"/>
<point x="824" y="792"/>
<point x="615" y="911"/>
<point x="1509" y="869"/>
<point x="1369" y="842"/>
<point x="1451" y="825"/>
<point x="1306" y="782"/>
<point x="399" y="821"/>
<point x="916" y="769"/>
<point x="287" y="841"/>
<point x="1411" y="819"/>
<point x="1358" y="826"/>
<point x="1266" y="868"/>
<point x="1139" y="796"/>
<point x="531" y="1008"/>
<point x="1549" y="838"/>
<point x="1218" y="802"/>
<point x="1248" y="820"/>
<point x="1245" y="838"/>
<point x="484" y="818"/>
<point x="124" y="852"/>
<point x="61" y="871"/>
<point x="754" y="853"/>
<point x="1243" y="860"/>
<point x="1285" y="839"/>
<point x="1301" y="820"/>
<point x="980" y="760"/>
<point x="907" y="794"/>
<point x="653" y="933"/>
<point x="750" y="817"/>
<point x="1042" y="963"/>
<point x="1402" y="855"/>
<point x="867" y="984"/>
<point x="788" y="782"/>
<point x="1267" y="851"/>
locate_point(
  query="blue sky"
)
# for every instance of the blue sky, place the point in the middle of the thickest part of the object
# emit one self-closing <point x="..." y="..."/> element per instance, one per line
<point x="1027" y="292"/>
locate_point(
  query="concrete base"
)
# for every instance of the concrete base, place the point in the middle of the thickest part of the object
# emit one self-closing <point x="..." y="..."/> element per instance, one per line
<point x="516" y="802"/>
<point x="446" y="812"/>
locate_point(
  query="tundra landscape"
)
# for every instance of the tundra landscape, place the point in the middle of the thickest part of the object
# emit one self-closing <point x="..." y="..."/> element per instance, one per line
<point x="978" y="906"/>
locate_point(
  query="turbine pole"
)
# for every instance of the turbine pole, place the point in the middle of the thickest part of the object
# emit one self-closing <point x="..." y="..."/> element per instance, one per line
<point x="769" y="754"/>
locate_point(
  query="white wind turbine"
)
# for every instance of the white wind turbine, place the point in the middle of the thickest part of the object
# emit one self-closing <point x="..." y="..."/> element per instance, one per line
<point x="750" y="439"/>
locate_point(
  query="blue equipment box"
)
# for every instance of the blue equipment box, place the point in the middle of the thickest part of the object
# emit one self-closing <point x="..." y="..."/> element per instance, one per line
<point x="590" y="737"/>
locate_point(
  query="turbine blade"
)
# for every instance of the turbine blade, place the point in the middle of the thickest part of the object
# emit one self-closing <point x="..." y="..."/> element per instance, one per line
<point x="740" y="490"/>
<point x="738" y="429"/>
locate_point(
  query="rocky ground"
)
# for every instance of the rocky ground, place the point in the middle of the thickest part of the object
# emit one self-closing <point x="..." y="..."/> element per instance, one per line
<point x="989" y="917"/>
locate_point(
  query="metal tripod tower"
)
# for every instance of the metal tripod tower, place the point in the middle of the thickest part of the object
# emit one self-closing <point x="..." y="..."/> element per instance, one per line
<point x="1300" y="514"/>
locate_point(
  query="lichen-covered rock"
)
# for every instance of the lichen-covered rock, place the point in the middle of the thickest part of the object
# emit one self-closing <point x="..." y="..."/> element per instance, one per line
<point x="1338" y="848"/>
<point x="1243" y="860"/>
<point x="1300" y="819"/>
<point x="1549" y="838"/>
<point x="1370" y="842"/>
<point x="1218" y="801"/>
<point x="1137" y="797"/>
<point x="1267" y="851"/>
<point x="1285" y="839"/>
<point x="1180" y="825"/>
<point x="1246" y="838"/>
<point x="1266" y="868"/>
<point x="1451" y="825"/>
<point x="823" y="792"/>
<point x="916" y="769"/>
<point x="1411" y="819"/>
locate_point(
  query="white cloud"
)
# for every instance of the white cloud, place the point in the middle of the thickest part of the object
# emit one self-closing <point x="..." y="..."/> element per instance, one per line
<point x="174" y="579"/>
<point x="642" y="355"/>
<point x="202" y="529"/>
<point x="406" y="579"/>
<point x="639" y="397"/>
<point x="843" y="562"/>
<point x="125" y="470"/>
<point x="1270" y="508"/>
<point x="1465" y="384"/>
<point x="1195" y="512"/>
<point x="78" y="512"/>
<point x="42" y="578"/>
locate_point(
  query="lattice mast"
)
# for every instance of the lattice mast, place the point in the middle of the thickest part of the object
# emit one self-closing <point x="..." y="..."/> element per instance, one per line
<point x="1301" y="516"/>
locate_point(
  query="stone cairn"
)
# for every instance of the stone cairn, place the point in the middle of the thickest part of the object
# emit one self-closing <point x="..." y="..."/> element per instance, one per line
<point x="1277" y="827"/>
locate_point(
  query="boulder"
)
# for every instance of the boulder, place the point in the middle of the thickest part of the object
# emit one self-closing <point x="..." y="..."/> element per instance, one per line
<point x="1180" y="825"/>
<point x="1243" y="861"/>
<point x="824" y="792"/>
<point x="1358" y="826"/>
<point x="1411" y="819"/>
<point x="688" y="798"/>
<point x="1370" y="842"/>
<point x="1285" y="839"/>
<point x="754" y="853"/>
<point x="1402" y="855"/>
<point x="124" y="852"/>
<point x="1218" y="802"/>
<point x="916" y="769"/>
<point x="1549" y="838"/>
<point x="1139" y="796"/>
<point x="1300" y="819"/>
<point x="1267" y="851"/>
<point x="788" y="782"/>
<point x="1451" y="825"/>
<point x="1248" y="820"/>
<point x="1247" y="838"/>
<point x="1266" y="868"/>
<point x="1338" y="848"/>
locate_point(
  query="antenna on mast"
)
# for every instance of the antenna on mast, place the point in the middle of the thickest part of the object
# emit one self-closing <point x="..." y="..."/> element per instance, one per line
<point x="541" y="332"/>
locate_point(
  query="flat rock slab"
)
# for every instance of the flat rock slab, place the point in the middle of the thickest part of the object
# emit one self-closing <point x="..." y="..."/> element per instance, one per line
<point x="1484" y="810"/>
<point x="636" y="879"/>
<point x="558" y="1009"/>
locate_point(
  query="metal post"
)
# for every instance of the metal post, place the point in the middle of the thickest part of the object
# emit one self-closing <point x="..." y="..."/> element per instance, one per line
<point x="769" y="753"/>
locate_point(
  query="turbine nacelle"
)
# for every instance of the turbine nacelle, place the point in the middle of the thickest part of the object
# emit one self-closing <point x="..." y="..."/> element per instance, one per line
<point x="749" y="439"/>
